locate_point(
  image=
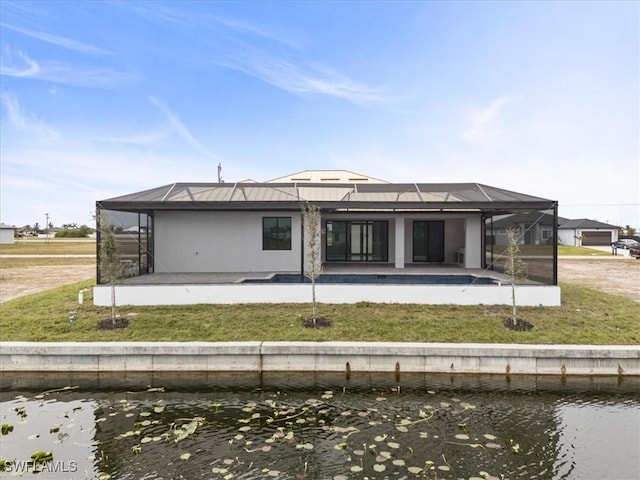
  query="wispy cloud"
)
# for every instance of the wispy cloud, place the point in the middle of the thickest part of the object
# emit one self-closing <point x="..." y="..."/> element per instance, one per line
<point x="25" y="122"/>
<point x="278" y="61"/>
<point x="22" y="66"/>
<point x="197" y="20"/>
<point x="260" y="31"/>
<point x="300" y="79"/>
<point x="181" y="129"/>
<point x="68" y="43"/>
<point x="484" y="123"/>
<point x="18" y="65"/>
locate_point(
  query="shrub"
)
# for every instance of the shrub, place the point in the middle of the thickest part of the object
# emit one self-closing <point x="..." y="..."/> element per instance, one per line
<point x="82" y="232"/>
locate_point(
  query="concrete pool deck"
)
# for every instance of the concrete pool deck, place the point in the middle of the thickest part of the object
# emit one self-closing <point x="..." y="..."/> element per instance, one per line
<point x="618" y="360"/>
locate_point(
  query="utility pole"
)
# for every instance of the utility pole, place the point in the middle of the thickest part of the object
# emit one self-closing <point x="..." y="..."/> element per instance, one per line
<point x="46" y="226"/>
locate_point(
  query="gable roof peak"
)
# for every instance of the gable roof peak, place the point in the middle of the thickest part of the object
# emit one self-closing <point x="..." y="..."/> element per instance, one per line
<point x="326" y="176"/>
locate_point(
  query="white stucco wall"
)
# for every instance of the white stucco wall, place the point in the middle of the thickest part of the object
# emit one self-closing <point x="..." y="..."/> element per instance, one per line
<point x="7" y="236"/>
<point x="221" y="242"/>
<point x="202" y="241"/>
<point x="567" y="237"/>
<point x="473" y="248"/>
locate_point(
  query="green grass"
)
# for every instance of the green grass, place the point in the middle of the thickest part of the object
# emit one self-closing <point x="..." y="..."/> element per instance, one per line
<point x="581" y="251"/>
<point x="87" y="247"/>
<point x="57" y="247"/>
<point x="585" y="317"/>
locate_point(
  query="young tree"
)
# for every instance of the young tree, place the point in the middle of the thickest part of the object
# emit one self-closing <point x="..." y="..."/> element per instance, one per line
<point x="514" y="267"/>
<point x="313" y="253"/>
<point x="109" y="264"/>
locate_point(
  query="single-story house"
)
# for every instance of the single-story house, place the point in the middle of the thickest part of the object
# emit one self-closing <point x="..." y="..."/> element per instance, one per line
<point x="583" y="232"/>
<point x="221" y="234"/>
<point x="7" y="234"/>
<point x="532" y="228"/>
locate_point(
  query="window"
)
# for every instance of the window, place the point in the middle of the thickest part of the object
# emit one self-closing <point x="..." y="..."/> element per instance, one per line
<point x="276" y="233"/>
<point x="547" y="234"/>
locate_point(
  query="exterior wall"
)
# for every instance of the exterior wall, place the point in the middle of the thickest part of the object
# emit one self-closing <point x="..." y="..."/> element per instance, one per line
<point x="202" y="241"/>
<point x="473" y="246"/>
<point x="567" y="236"/>
<point x="7" y="236"/>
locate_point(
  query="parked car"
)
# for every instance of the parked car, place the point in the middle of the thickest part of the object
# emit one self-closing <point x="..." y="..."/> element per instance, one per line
<point x="626" y="243"/>
<point x="635" y="252"/>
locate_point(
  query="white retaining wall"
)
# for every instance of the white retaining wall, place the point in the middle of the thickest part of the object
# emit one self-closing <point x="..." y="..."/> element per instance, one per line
<point x="526" y="295"/>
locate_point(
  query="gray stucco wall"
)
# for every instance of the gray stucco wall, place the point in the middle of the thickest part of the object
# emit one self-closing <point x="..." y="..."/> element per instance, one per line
<point x="220" y="242"/>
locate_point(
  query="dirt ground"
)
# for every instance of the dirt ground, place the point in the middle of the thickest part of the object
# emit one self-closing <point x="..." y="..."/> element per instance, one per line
<point x="17" y="282"/>
<point x="619" y="276"/>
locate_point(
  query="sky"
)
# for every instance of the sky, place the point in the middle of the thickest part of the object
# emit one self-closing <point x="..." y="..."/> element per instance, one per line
<point x="101" y="99"/>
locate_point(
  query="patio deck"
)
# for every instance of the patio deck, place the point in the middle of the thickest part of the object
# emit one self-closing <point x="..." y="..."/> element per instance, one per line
<point x="226" y="288"/>
<point x="333" y="268"/>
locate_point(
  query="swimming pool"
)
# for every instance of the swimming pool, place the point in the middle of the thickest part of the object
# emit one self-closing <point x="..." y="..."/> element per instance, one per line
<point x="393" y="279"/>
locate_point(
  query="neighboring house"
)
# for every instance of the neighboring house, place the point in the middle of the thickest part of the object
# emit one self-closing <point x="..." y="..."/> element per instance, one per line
<point x="7" y="234"/>
<point x="197" y="228"/>
<point x="534" y="228"/>
<point x="583" y="232"/>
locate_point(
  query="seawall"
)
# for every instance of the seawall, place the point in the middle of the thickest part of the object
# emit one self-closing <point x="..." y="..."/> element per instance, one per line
<point x="475" y="358"/>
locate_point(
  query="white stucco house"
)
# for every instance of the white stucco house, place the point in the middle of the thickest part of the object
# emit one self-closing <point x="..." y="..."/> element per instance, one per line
<point x="583" y="232"/>
<point x="215" y="235"/>
<point x="7" y="234"/>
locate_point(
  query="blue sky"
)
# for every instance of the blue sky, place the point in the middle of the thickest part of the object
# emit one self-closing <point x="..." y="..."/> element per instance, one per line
<point x="101" y="99"/>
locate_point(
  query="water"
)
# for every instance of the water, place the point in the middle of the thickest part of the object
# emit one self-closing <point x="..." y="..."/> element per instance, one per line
<point x="321" y="426"/>
<point x="380" y="279"/>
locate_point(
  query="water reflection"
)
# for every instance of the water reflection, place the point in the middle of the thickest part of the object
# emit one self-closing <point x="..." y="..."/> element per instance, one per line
<point x="598" y="439"/>
<point x="63" y="426"/>
<point x="325" y="426"/>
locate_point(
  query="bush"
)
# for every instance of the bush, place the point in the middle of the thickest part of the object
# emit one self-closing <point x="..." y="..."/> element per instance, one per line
<point x="82" y="232"/>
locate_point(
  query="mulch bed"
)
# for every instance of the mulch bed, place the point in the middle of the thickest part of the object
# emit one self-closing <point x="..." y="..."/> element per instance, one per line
<point x="317" y="322"/>
<point x="109" y="324"/>
<point x="519" y="326"/>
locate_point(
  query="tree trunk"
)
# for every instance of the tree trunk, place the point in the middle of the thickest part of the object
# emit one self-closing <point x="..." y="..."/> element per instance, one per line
<point x="113" y="302"/>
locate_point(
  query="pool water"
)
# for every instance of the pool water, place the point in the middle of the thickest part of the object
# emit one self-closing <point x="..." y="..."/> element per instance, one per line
<point x="392" y="279"/>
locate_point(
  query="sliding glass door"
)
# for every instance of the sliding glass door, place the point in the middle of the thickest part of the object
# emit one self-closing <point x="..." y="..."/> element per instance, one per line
<point x="428" y="241"/>
<point x="357" y="241"/>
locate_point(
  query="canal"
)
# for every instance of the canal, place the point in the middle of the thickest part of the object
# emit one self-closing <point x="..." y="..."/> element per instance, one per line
<point x="319" y="426"/>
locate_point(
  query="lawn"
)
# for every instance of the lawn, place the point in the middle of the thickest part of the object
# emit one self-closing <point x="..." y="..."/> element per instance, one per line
<point x="88" y="247"/>
<point x="586" y="316"/>
<point x="581" y="251"/>
<point x="53" y="247"/>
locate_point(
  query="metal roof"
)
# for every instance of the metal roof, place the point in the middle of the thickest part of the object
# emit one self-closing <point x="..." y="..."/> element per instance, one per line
<point x="328" y="196"/>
